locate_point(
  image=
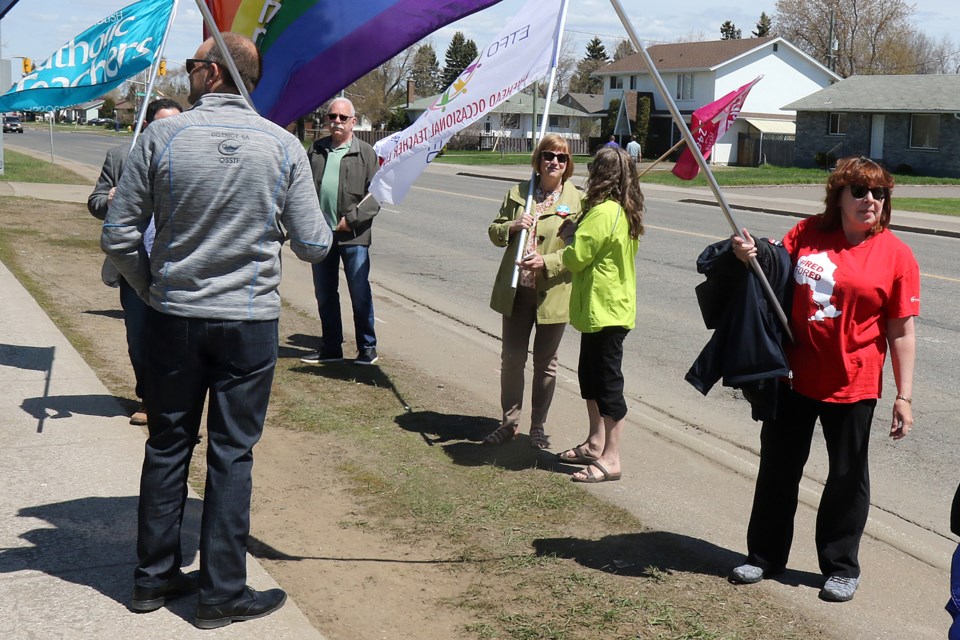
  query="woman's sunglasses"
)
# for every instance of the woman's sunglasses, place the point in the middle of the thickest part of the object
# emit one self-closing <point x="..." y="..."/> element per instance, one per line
<point x="549" y="156"/>
<point x="860" y="192"/>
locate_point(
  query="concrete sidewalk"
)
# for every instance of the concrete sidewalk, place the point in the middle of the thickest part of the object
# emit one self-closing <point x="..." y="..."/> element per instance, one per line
<point x="68" y="501"/>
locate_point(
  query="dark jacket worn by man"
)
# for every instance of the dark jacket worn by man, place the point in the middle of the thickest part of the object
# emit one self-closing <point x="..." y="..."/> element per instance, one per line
<point x="357" y="169"/>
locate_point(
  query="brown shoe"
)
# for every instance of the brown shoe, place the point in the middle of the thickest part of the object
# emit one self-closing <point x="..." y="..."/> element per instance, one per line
<point x="139" y="417"/>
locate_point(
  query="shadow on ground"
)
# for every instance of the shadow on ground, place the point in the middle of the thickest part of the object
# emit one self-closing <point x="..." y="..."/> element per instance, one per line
<point x="92" y="542"/>
<point x="645" y="553"/>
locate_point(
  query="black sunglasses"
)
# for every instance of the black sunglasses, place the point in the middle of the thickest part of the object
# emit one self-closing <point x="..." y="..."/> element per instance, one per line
<point x="860" y="191"/>
<point x="550" y="155"/>
<point x="333" y="117"/>
<point x="193" y="63"/>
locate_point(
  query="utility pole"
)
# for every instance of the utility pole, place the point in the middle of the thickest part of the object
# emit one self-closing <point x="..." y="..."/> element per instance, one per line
<point x="832" y="44"/>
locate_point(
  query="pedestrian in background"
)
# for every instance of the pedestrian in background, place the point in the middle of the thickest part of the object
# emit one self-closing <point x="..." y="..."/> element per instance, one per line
<point x="602" y="251"/>
<point x="541" y="298"/>
<point x="228" y="188"/>
<point x="633" y="148"/>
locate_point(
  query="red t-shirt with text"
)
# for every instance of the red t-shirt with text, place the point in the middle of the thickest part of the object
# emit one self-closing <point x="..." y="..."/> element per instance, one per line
<point x="843" y="296"/>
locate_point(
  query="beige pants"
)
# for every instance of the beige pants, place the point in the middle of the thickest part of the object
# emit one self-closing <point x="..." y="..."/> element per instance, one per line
<point x="513" y="359"/>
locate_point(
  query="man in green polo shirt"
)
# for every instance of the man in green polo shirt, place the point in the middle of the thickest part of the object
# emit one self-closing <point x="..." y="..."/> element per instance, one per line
<point x="342" y="169"/>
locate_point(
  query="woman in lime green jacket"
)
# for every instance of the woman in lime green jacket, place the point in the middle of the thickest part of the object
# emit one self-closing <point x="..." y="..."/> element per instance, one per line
<point x="601" y="253"/>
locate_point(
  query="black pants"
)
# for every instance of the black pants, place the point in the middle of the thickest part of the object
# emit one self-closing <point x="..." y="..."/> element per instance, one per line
<point x="189" y="359"/>
<point x="600" y="371"/>
<point x="784" y="448"/>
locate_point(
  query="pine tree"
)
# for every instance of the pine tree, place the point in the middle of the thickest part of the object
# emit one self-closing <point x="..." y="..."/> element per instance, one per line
<point x="583" y="79"/>
<point x="763" y="26"/>
<point x="729" y="31"/>
<point x="426" y="72"/>
<point x="460" y="53"/>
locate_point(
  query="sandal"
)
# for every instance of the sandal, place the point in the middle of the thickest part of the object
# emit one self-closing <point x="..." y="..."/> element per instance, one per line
<point x="505" y="433"/>
<point x="579" y="456"/>
<point x="538" y="437"/>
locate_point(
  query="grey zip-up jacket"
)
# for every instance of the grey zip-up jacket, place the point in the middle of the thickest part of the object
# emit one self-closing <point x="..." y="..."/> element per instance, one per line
<point x="226" y="188"/>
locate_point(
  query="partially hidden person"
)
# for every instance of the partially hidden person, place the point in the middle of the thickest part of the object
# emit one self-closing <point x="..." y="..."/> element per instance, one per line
<point x="540" y="303"/>
<point x="134" y="309"/>
<point x="601" y="253"/>
<point x="856" y="293"/>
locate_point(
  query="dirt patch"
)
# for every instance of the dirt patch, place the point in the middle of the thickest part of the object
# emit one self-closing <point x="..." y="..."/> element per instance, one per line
<point x="378" y="511"/>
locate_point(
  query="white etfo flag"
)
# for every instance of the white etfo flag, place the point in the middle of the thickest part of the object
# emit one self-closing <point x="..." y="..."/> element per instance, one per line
<point x="521" y="54"/>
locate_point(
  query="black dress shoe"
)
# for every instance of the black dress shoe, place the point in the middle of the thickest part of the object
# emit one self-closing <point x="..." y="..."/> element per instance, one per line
<point x="248" y="605"/>
<point x="152" y="598"/>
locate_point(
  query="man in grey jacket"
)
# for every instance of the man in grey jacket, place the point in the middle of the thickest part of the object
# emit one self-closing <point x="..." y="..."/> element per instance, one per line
<point x="343" y="167"/>
<point x="225" y="188"/>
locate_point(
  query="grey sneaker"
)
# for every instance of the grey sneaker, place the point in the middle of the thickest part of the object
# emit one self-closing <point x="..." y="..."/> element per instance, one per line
<point x="839" y="589"/>
<point x="746" y="574"/>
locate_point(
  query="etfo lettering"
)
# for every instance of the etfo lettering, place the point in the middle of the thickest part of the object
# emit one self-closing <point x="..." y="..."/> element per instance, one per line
<point x="519" y="35"/>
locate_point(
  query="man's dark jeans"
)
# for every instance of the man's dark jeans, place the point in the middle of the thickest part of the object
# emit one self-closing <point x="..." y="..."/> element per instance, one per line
<point x="189" y="358"/>
<point x="326" y="281"/>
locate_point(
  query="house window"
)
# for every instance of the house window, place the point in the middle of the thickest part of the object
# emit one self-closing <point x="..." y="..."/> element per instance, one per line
<point x="510" y="121"/>
<point x="925" y="131"/>
<point x="616" y="82"/>
<point x="554" y="120"/>
<point x="838" y="124"/>
<point x="633" y="83"/>
<point x="685" y="86"/>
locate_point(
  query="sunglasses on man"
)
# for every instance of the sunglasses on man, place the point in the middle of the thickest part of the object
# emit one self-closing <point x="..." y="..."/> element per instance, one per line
<point x="342" y="117"/>
<point x="193" y="63"/>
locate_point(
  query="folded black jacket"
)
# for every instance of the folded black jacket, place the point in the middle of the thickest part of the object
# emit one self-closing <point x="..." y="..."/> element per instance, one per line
<point x="746" y="349"/>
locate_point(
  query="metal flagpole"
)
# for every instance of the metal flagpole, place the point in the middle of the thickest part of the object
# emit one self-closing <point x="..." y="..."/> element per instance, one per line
<point x="215" y="32"/>
<point x="695" y="150"/>
<point x="152" y="78"/>
<point x="522" y="240"/>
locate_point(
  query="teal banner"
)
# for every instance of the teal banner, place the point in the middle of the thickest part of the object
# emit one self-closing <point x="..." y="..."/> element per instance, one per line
<point x="96" y="61"/>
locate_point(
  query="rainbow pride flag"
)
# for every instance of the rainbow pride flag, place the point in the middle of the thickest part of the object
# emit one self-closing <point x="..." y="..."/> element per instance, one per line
<point x="314" y="48"/>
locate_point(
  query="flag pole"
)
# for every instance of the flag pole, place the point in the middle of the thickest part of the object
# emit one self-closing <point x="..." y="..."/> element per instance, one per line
<point x="215" y="33"/>
<point x="152" y="78"/>
<point x="522" y="240"/>
<point x="698" y="156"/>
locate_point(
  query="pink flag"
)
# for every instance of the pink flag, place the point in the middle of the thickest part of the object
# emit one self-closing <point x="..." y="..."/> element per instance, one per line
<point x="708" y="124"/>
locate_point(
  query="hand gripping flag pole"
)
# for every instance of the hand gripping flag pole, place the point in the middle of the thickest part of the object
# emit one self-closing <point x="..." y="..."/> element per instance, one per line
<point x="694" y="148"/>
<point x="522" y="240"/>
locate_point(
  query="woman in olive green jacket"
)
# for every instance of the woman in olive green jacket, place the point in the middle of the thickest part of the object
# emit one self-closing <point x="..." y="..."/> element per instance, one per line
<point x="603" y="304"/>
<point x="542" y="296"/>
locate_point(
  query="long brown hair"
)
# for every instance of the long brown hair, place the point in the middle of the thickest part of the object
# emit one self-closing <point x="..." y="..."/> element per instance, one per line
<point x="613" y="176"/>
<point x="852" y="171"/>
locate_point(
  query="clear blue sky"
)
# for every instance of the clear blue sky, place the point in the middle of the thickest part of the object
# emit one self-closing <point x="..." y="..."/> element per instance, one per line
<point x="37" y="28"/>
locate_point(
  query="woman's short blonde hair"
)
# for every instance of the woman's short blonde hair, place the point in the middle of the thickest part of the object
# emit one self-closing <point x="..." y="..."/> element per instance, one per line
<point x="558" y="144"/>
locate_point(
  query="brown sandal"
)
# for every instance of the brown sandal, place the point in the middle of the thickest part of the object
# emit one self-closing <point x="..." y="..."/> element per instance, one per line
<point x="538" y="437"/>
<point x="505" y="433"/>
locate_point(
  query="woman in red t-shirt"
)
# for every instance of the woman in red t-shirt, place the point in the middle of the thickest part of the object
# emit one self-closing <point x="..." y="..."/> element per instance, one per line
<point x="856" y="291"/>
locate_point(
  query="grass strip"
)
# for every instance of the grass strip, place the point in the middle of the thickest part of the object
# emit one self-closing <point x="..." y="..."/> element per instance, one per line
<point x="18" y="167"/>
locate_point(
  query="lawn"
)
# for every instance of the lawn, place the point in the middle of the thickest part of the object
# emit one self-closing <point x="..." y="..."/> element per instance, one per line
<point x="18" y="167"/>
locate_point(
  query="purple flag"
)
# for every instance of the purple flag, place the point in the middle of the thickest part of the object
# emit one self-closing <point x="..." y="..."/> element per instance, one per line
<point x="312" y="49"/>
